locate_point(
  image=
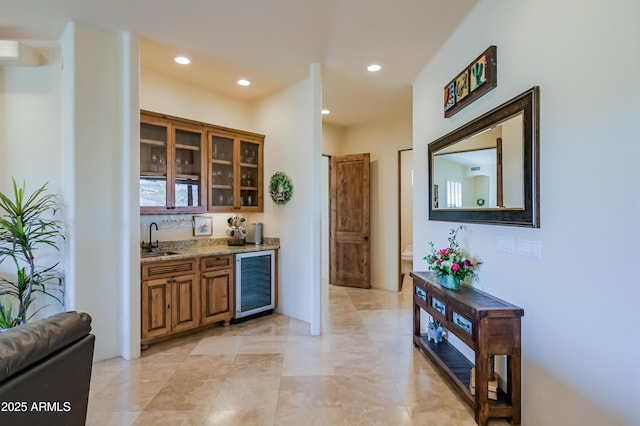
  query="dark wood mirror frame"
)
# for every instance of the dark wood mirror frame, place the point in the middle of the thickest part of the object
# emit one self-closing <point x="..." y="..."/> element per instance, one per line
<point x="528" y="104"/>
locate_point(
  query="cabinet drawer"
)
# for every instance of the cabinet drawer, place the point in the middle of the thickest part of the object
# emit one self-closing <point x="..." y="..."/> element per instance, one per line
<point x="168" y="269"/>
<point x="215" y="263"/>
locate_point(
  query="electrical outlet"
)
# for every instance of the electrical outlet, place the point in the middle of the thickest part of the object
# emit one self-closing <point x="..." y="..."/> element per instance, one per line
<point x="505" y="244"/>
<point x="530" y="248"/>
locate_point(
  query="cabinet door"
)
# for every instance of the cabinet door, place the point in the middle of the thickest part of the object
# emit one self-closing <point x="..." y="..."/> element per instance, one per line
<point x="156" y="308"/>
<point x="154" y="155"/>
<point x="172" y="166"/>
<point x="216" y="296"/>
<point x="184" y="299"/>
<point x="251" y="175"/>
<point x="186" y="170"/>
<point x="222" y="172"/>
<point x="235" y="171"/>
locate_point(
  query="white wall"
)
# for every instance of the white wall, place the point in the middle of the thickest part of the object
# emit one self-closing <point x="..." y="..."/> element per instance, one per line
<point x="383" y="140"/>
<point x="332" y="139"/>
<point x="406" y="199"/>
<point x="286" y="118"/>
<point x="166" y="95"/>
<point x="99" y="183"/>
<point x="579" y="332"/>
<point x="30" y="144"/>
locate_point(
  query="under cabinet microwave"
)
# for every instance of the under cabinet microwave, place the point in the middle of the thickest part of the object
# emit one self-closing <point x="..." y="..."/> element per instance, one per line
<point x="255" y="283"/>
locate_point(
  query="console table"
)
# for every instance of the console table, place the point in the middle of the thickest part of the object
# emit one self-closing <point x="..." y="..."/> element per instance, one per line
<point x="488" y="325"/>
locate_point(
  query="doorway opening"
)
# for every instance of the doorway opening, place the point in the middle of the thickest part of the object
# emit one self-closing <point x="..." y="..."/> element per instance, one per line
<point x="405" y="217"/>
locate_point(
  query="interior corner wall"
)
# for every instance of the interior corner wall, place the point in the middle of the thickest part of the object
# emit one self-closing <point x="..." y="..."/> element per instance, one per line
<point x="382" y="139"/>
<point x="30" y="143"/>
<point x="286" y="120"/>
<point x="579" y="345"/>
<point x="30" y="126"/>
<point x="332" y="139"/>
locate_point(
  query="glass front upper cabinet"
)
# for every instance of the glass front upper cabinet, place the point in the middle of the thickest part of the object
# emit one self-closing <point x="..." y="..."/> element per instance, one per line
<point x="235" y="171"/>
<point x="171" y="167"/>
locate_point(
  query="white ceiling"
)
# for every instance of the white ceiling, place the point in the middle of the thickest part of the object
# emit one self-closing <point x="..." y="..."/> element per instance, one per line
<point x="270" y="42"/>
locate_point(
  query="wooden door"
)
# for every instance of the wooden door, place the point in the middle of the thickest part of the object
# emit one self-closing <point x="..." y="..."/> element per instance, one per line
<point x="216" y="296"/>
<point x="349" y="250"/>
<point x="156" y="308"/>
<point x="184" y="312"/>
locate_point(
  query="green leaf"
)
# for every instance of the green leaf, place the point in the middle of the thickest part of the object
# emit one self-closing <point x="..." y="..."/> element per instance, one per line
<point x="28" y="223"/>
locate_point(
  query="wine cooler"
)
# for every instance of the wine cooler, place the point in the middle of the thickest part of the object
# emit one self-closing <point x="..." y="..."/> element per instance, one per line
<point x="255" y="281"/>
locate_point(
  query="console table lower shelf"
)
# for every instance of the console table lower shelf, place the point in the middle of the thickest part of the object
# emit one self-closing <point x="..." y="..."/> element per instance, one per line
<point x="458" y="369"/>
<point x="487" y="325"/>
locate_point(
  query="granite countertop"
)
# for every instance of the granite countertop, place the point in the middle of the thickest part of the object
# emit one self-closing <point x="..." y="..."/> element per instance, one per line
<point x="176" y="250"/>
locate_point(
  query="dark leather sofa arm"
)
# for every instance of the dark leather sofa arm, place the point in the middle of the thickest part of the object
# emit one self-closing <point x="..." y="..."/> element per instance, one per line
<point x="45" y="371"/>
<point x="23" y="346"/>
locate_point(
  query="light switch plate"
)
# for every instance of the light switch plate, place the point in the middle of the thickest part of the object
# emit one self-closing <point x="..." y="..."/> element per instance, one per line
<point x="530" y="248"/>
<point x="505" y="244"/>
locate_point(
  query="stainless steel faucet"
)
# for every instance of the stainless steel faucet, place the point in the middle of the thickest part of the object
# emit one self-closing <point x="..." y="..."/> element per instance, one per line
<point x="151" y="245"/>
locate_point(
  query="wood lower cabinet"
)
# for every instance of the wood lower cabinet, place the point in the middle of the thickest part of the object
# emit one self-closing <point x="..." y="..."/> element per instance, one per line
<point x="156" y="308"/>
<point x="184" y="307"/>
<point x="183" y="295"/>
<point x="169" y="298"/>
<point x="216" y="289"/>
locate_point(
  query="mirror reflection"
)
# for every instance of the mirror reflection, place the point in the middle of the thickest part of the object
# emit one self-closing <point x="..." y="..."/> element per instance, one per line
<point x="487" y="171"/>
<point x="483" y="171"/>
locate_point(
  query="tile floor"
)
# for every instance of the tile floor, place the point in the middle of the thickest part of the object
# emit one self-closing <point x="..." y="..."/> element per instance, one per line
<point x="363" y="370"/>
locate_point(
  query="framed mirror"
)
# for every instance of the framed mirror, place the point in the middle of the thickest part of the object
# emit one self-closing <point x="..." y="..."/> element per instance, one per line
<point x="487" y="171"/>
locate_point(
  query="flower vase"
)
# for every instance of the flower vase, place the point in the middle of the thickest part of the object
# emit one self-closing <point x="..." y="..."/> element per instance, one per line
<point x="450" y="282"/>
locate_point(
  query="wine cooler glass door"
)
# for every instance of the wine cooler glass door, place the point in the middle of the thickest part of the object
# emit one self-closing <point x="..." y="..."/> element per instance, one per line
<point x="254" y="282"/>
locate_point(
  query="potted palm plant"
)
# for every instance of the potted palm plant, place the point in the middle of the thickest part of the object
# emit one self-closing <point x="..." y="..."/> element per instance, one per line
<point x="27" y="224"/>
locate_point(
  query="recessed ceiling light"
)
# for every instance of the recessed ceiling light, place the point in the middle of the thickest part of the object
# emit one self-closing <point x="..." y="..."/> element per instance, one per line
<point x="183" y="60"/>
<point x="374" y="67"/>
<point x="243" y="82"/>
<point x="325" y="111"/>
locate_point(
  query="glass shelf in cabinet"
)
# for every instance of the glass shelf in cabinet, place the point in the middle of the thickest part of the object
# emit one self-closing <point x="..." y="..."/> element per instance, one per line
<point x="225" y="162"/>
<point x="153" y="174"/>
<point x="188" y="147"/>
<point x="152" y="142"/>
<point x="188" y="177"/>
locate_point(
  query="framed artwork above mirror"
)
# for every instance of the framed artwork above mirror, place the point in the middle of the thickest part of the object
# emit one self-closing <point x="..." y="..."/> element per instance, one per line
<point x="487" y="171"/>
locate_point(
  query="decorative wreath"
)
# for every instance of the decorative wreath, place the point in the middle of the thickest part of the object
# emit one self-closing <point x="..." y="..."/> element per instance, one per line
<point x="280" y="188"/>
